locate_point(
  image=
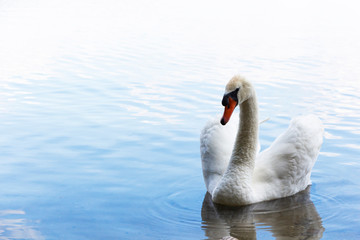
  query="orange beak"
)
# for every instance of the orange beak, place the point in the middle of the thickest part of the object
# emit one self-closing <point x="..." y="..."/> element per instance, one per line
<point x="228" y="111"/>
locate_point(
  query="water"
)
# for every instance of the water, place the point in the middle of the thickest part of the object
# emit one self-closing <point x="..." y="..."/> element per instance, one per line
<point x="102" y="103"/>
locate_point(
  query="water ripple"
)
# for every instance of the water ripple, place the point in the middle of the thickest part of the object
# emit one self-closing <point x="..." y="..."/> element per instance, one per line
<point x="179" y="208"/>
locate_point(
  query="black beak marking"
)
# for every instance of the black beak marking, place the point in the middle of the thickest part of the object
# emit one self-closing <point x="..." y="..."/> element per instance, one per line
<point x="225" y="100"/>
<point x="233" y="95"/>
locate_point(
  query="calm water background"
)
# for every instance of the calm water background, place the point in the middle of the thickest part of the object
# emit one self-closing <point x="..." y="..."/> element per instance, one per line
<point x="102" y="103"/>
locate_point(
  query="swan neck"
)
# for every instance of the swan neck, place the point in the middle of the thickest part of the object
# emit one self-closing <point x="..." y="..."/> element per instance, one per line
<point x="244" y="152"/>
<point x="236" y="185"/>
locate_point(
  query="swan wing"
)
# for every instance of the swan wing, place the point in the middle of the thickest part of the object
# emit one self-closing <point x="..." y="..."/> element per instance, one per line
<point x="285" y="167"/>
<point x="216" y="144"/>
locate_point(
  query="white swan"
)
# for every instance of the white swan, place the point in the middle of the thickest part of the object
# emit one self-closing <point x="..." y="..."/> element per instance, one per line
<point x="235" y="174"/>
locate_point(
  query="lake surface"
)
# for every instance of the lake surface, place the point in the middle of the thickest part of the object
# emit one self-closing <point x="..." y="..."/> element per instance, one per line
<point x="102" y="104"/>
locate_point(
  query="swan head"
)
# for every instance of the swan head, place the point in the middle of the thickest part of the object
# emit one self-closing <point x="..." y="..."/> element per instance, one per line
<point x="237" y="91"/>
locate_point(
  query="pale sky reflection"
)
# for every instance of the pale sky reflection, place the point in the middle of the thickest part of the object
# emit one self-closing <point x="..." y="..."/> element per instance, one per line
<point x="12" y="227"/>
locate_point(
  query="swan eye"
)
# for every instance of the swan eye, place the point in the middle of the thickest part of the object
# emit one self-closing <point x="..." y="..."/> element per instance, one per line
<point x="233" y="95"/>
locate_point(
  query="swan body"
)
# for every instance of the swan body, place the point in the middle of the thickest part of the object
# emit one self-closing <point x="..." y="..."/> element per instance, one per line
<point x="234" y="171"/>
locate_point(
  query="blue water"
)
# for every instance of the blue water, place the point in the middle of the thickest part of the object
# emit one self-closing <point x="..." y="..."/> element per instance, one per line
<point x="102" y="104"/>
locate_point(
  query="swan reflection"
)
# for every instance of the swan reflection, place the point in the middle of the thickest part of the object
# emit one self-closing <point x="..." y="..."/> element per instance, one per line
<point x="293" y="217"/>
